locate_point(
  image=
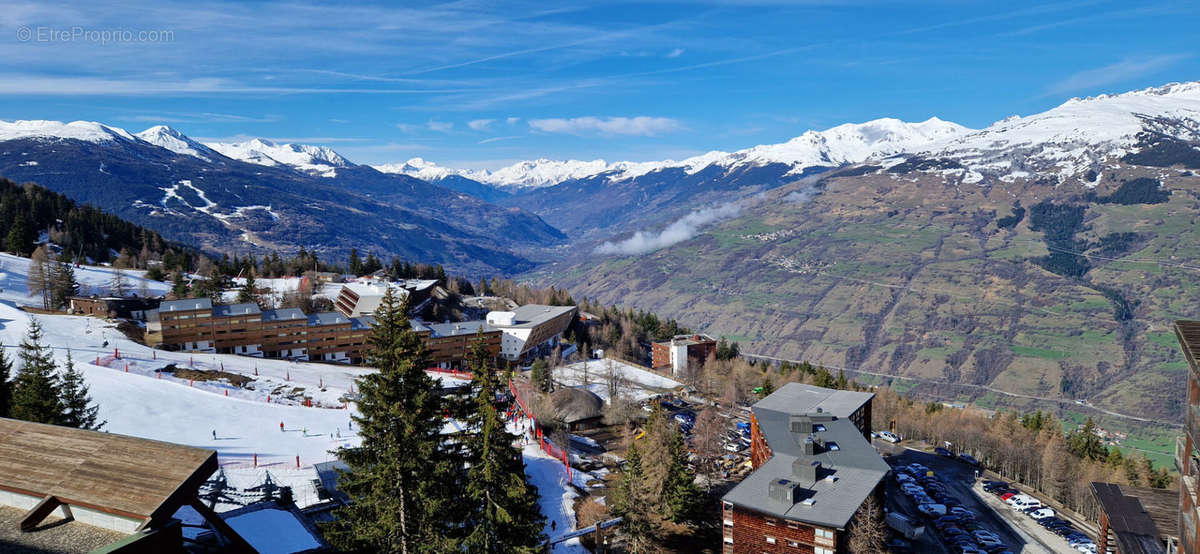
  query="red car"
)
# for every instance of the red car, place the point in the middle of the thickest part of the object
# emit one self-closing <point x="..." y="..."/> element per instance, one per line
<point x="1007" y="495"/>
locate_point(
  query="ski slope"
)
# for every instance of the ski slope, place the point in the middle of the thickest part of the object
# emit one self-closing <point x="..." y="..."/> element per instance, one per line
<point x="241" y="424"/>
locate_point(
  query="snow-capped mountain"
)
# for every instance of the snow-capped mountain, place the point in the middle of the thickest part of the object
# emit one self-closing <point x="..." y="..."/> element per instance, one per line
<point x="318" y="160"/>
<point x="166" y="137"/>
<point x="848" y="143"/>
<point x="89" y="131"/>
<point x="1077" y="136"/>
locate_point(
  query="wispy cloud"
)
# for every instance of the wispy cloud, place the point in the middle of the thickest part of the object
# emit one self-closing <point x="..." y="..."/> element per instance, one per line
<point x="512" y="120"/>
<point x="635" y="126"/>
<point x="480" y="124"/>
<point x="286" y="140"/>
<point x="675" y="53"/>
<point x="440" y="126"/>
<point x="498" y="139"/>
<point x="1113" y="73"/>
<point x="200" y="117"/>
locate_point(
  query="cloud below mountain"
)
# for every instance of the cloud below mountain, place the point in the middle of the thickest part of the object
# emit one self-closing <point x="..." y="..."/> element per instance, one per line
<point x="682" y="229"/>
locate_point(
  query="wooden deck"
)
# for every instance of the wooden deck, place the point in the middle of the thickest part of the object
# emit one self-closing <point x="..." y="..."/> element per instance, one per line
<point x="116" y="474"/>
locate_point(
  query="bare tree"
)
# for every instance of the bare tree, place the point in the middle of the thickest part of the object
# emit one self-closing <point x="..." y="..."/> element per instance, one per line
<point x="706" y="443"/>
<point x="119" y="285"/>
<point x="868" y="530"/>
<point x="41" y="275"/>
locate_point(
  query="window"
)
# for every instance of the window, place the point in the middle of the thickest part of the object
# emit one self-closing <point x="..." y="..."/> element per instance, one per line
<point x="825" y="533"/>
<point x="770" y="521"/>
<point x="793" y="525"/>
<point x="729" y="523"/>
<point x="819" y="550"/>
<point x="770" y="540"/>
<point x="728" y="540"/>
<point x="793" y="544"/>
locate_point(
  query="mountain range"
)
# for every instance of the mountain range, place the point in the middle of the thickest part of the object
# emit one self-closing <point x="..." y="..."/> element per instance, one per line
<point x="259" y="196"/>
<point x="1039" y="260"/>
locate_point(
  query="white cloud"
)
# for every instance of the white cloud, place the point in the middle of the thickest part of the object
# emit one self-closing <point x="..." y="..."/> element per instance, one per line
<point x="512" y="120"/>
<point x="675" y="53"/>
<point x="440" y="126"/>
<point x="683" y="229"/>
<point x="639" y="126"/>
<point x="1113" y="73"/>
<point x="498" y="139"/>
<point x="481" y="124"/>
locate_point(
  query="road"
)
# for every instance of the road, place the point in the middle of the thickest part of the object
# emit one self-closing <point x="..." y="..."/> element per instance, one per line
<point x="959" y="479"/>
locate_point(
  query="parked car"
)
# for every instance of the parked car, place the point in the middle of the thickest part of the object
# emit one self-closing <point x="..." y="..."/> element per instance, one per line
<point x="889" y="436"/>
<point x="932" y="510"/>
<point x="962" y="512"/>
<point x="943" y="452"/>
<point x="899" y="546"/>
<point x="969" y="459"/>
<point x="1007" y="495"/>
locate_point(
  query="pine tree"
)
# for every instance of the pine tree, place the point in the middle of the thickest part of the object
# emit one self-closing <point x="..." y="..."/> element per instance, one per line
<point x="77" y="404"/>
<point x="541" y="376"/>
<point x="355" y="265"/>
<point x="402" y="480"/>
<point x="504" y="506"/>
<point x="6" y="386"/>
<point x="179" y="286"/>
<point x="248" y="294"/>
<point x="20" y="236"/>
<point x="36" y="389"/>
<point x="64" y="285"/>
<point x="634" y="503"/>
<point x="679" y="489"/>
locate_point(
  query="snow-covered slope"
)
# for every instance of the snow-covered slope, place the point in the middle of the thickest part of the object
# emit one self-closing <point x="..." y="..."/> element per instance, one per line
<point x="848" y="143"/>
<point x="319" y="160"/>
<point x="166" y="137"/>
<point x="1078" y="135"/>
<point x="80" y="130"/>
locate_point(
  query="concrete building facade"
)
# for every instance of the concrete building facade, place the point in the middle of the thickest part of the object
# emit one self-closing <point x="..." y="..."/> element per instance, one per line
<point x="1187" y="453"/>
<point x="814" y="467"/>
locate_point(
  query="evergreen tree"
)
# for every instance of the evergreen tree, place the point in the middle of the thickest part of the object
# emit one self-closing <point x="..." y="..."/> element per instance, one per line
<point x="634" y="503"/>
<point x="249" y="293"/>
<point x="767" y="386"/>
<point x="541" y="376"/>
<point x="36" y="390"/>
<point x="20" y="236"/>
<point x="841" y="383"/>
<point x="355" y="266"/>
<point x="402" y="480"/>
<point x="504" y="509"/>
<point x="179" y="286"/>
<point x="680" y="492"/>
<point x="6" y="387"/>
<point x="77" y="404"/>
<point x="64" y="285"/>
<point x="823" y="379"/>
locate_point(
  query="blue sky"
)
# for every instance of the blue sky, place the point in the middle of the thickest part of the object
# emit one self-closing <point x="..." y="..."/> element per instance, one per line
<point x="486" y="83"/>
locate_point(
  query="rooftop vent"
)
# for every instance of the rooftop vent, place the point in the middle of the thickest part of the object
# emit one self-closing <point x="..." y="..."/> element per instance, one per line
<point x="805" y="471"/>
<point x="799" y="424"/>
<point x="808" y="501"/>
<point x="782" y="490"/>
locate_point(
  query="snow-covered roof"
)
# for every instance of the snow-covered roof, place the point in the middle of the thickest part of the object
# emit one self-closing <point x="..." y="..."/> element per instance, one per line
<point x="186" y="304"/>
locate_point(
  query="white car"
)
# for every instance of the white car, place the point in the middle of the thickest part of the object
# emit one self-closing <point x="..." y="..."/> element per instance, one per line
<point x="1042" y="513"/>
<point x="889" y="436"/>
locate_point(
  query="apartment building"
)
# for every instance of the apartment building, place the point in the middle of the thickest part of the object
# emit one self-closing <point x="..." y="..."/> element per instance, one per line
<point x="530" y="330"/>
<point x="363" y="298"/>
<point x="195" y="324"/>
<point x="682" y="352"/>
<point x="814" y="467"/>
<point x="1187" y="453"/>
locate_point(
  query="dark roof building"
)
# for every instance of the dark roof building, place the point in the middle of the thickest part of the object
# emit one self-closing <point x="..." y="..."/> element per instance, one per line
<point x="1126" y="526"/>
<point x="814" y="468"/>
<point x="104" y="481"/>
<point x="1187" y="447"/>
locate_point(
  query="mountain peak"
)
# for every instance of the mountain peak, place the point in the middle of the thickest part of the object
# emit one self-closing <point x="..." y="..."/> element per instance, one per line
<point x="45" y="129"/>
<point x="175" y="141"/>
<point x="318" y="160"/>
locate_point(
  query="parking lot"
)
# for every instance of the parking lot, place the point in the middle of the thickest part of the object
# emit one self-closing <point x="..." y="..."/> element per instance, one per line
<point x="957" y="479"/>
